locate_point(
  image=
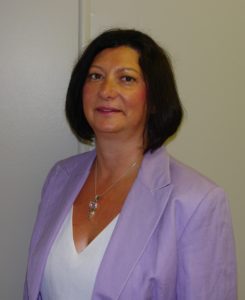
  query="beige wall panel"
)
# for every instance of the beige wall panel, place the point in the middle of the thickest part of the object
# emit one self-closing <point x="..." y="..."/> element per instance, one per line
<point x="207" y="46"/>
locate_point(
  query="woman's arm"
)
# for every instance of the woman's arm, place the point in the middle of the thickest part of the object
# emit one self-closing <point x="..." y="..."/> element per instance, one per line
<point x="207" y="263"/>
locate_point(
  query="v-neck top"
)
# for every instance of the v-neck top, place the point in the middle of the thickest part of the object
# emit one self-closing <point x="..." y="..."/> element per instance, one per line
<point x="69" y="274"/>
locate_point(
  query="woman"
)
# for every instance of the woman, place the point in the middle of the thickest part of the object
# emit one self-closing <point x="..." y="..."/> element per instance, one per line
<point x="126" y="220"/>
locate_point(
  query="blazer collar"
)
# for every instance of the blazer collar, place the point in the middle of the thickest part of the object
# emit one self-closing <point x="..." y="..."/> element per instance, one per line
<point x="138" y="219"/>
<point x="155" y="171"/>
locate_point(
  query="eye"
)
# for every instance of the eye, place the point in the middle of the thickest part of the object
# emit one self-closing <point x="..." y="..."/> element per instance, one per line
<point x="128" y="79"/>
<point x="94" y="76"/>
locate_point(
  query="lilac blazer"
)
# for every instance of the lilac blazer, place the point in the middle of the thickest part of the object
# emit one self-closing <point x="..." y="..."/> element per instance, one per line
<point x="173" y="239"/>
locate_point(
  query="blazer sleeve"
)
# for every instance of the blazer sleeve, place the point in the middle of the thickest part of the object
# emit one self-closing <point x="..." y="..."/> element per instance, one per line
<point x="206" y="255"/>
<point x="48" y="182"/>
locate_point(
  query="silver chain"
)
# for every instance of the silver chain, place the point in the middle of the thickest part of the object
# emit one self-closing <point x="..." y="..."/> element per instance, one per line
<point x="93" y="204"/>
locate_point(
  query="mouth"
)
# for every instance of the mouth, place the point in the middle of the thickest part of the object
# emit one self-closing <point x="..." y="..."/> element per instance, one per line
<point x="107" y="110"/>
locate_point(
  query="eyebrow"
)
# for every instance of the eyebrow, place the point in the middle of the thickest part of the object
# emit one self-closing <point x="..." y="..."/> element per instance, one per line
<point x="119" y="69"/>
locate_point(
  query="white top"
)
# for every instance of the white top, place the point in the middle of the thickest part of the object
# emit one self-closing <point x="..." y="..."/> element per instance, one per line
<point x="69" y="274"/>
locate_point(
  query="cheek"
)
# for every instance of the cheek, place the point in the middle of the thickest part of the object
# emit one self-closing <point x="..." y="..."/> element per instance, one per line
<point x="87" y="96"/>
<point x="87" y="92"/>
<point x="139" y="98"/>
<point x="142" y="95"/>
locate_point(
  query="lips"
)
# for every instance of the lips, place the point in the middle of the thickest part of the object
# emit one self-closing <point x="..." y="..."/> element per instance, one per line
<point x="103" y="109"/>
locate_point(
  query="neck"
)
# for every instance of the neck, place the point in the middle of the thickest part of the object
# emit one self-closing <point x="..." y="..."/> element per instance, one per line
<point x="113" y="158"/>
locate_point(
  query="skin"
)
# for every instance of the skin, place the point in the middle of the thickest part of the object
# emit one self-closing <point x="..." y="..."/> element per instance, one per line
<point x="114" y="95"/>
<point x="114" y="103"/>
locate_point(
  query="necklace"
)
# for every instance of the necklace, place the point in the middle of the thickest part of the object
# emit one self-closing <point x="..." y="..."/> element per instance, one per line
<point x="93" y="204"/>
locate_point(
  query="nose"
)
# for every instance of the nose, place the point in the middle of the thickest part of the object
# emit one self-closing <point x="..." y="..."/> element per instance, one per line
<point x="108" y="89"/>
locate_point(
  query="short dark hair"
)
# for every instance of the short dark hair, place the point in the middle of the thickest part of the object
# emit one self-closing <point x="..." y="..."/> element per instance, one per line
<point x="164" y="110"/>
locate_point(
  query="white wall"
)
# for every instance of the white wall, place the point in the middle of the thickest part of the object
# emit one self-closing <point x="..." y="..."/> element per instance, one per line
<point x="39" y="42"/>
<point x="206" y="42"/>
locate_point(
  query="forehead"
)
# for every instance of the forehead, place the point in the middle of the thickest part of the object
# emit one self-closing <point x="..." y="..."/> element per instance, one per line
<point x="123" y="55"/>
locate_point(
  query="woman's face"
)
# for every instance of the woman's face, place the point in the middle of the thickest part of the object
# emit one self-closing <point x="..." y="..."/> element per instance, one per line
<point x="114" y="94"/>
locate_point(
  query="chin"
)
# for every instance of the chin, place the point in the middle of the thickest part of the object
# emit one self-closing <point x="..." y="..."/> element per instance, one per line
<point x="107" y="131"/>
<point x="108" y="128"/>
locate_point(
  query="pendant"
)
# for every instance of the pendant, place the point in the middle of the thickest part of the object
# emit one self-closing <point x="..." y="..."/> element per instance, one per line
<point x="92" y="206"/>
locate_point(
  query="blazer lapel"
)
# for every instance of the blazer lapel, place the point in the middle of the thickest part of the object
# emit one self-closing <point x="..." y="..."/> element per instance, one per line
<point x="60" y="198"/>
<point x="138" y="219"/>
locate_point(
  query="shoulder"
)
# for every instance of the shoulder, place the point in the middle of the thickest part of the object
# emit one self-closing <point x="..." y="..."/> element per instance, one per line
<point x="196" y="199"/>
<point x="193" y="200"/>
<point x="72" y="163"/>
<point x="73" y="166"/>
<point x="190" y="190"/>
<point x="193" y="189"/>
<point x="160" y="169"/>
<point x="185" y="179"/>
